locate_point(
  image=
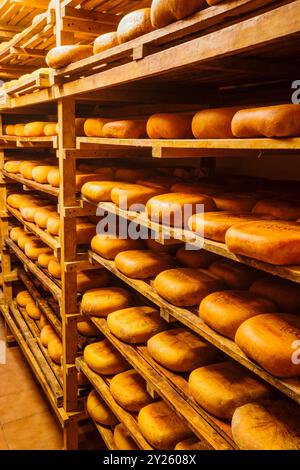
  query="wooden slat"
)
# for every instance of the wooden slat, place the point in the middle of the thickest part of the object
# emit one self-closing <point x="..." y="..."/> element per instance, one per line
<point x="44" y="188"/>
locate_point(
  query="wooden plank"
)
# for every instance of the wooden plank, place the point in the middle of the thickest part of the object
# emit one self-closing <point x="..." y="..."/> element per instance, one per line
<point x="289" y="387"/>
<point x="90" y="15"/>
<point x="107" y="436"/>
<point x="25" y="51"/>
<point x="43" y="140"/>
<point x="43" y="188"/>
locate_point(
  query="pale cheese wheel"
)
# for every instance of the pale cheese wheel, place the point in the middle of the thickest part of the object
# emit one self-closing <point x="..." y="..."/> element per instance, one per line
<point x="133" y="195"/>
<point x="186" y="287"/>
<point x="13" y="166"/>
<point x="166" y="12"/>
<point x="40" y="173"/>
<point x="274" y="242"/>
<point x="81" y="178"/>
<point x="24" y="239"/>
<point x="19" y="130"/>
<point x="105" y="41"/>
<point x="54" y="267"/>
<point x="100" y="191"/>
<point x="93" y="127"/>
<point x="135" y="324"/>
<point x="142" y="264"/>
<point x="213" y="123"/>
<point x="236" y="202"/>
<point x="99" y="411"/>
<point x="33" y="311"/>
<point x="16" y="232"/>
<point x="225" y="311"/>
<point x="170" y="126"/>
<point x="53" y="224"/>
<point x="134" y="24"/>
<point x="35" y="248"/>
<point x="43" y="321"/>
<point x="53" y="177"/>
<point x="192" y="443"/>
<point x="191" y="258"/>
<point x="47" y="334"/>
<point x="55" y="350"/>
<point x="161" y="426"/>
<point x="104" y="359"/>
<point x="272" y="425"/>
<point x="28" y="213"/>
<point x="92" y="279"/>
<point x="108" y="246"/>
<point x="284" y="293"/>
<point x="50" y="129"/>
<point x="62" y="56"/>
<point x="271" y="341"/>
<point x="130" y="391"/>
<point x="14" y="200"/>
<point x="23" y="298"/>
<point x="235" y="275"/>
<point x="101" y="302"/>
<point x="26" y="169"/>
<point x="88" y="329"/>
<point x="277" y="209"/>
<point x="42" y="215"/>
<point x="221" y="388"/>
<point x="125" y="129"/>
<point x="35" y="129"/>
<point x="122" y="439"/>
<point x="44" y="259"/>
<point x="10" y="129"/>
<point x="175" y="209"/>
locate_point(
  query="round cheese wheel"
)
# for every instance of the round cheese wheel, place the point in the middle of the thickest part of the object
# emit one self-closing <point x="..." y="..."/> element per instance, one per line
<point x="129" y="391"/>
<point x="53" y="224"/>
<point x="271" y="341"/>
<point x="53" y="177"/>
<point x="10" y="129"/>
<point x="213" y="123"/>
<point x="170" y="126"/>
<point x="274" y="242"/>
<point x="105" y="41"/>
<point x="42" y="215"/>
<point x="122" y="439"/>
<point x="185" y="287"/>
<point x="101" y="302"/>
<point x="13" y="166"/>
<point x="223" y="387"/>
<point x="50" y="129"/>
<point x="33" y="311"/>
<point x="285" y="294"/>
<point x="44" y="259"/>
<point x="92" y="279"/>
<point x="277" y="209"/>
<point x="29" y="212"/>
<point x="24" y="239"/>
<point x="135" y="324"/>
<point x="54" y="268"/>
<point x="142" y="264"/>
<point x="192" y="443"/>
<point x="40" y="173"/>
<point x="235" y="275"/>
<point x="195" y="258"/>
<point x="164" y="13"/>
<point x="14" y="200"/>
<point x="43" y="321"/>
<point x="271" y="425"/>
<point x="35" y="248"/>
<point x="134" y="24"/>
<point x="55" y="350"/>
<point x="161" y="426"/>
<point x="104" y="359"/>
<point x="62" y="56"/>
<point x="108" y="246"/>
<point x="235" y="202"/>
<point x="19" y="130"/>
<point x="225" y="311"/>
<point x="81" y="178"/>
<point x="100" y="191"/>
<point x="15" y="233"/>
<point x="135" y="194"/>
<point x="47" y="334"/>
<point x="99" y="411"/>
<point x="26" y="169"/>
<point x="35" y="129"/>
<point x="23" y="298"/>
<point x="79" y="125"/>
<point x="131" y="175"/>
<point x="93" y="126"/>
<point x="87" y="328"/>
<point x="180" y="350"/>
<point x="175" y="209"/>
<point x="125" y="129"/>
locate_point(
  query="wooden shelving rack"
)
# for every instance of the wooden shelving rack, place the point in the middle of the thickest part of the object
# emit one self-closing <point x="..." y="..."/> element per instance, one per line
<point x="224" y="55"/>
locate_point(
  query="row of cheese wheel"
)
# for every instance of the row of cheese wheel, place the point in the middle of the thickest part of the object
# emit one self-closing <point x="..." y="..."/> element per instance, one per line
<point x="24" y="78"/>
<point x="39" y="128"/>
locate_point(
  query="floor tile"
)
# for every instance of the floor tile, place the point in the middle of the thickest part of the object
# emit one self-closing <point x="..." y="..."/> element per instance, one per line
<point x="3" y="444"/>
<point x="21" y="404"/>
<point x="16" y="381"/>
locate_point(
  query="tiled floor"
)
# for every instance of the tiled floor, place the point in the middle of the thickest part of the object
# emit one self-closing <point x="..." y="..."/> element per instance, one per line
<point x="26" y="421"/>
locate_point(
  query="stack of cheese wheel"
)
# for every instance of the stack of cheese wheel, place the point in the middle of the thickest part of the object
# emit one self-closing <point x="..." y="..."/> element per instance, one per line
<point x="52" y="342"/>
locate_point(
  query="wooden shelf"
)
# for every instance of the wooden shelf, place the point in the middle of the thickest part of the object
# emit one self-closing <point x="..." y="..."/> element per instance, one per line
<point x="107" y="436"/>
<point x="289" y="387"/>
<point x="31" y="85"/>
<point x="205" y="426"/>
<point x="43" y="188"/>
<point x="21" y="142"/>
<point x="127" y="419"/>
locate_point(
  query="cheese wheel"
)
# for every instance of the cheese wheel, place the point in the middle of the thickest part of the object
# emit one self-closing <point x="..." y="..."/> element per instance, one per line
<point x="14" y="200"/>
<point x="131" y="175"/>
<point x="186" y="287"/>
<point x="55" y="350"/>
<point x="24" y="239"/>
<point x="214" y="225"/>
<point x="87" y="328"/>
<point x="125" y="129"/>
<point x="201" y="187"/>
<point x="43" y="321"/>
<point x="271" y="425"/>
<point x="44" y="259"/>
<point x="213" y="123"/>
<point x="136" y="324"/>
<point x="54" y="268"/>
<point x="192" y="443"/>
<point x="122" y="439"/>
<point x="104" y="359"/>
<point x="42" y="215"/>
<point x="170" y="126"/>
<point x="284" y="293"/>
<point x="180" y="350"/>
<point x="221" y="388"/>
<point x="50" y="129"/>
<point x="53" y="224"/>
<point x="35" y="129"/>
<point x="235" y="202"/>
<point x="100" y="191"/>
<point x="271" y="341"/>
<point x="129" y="390"/>
<point x="274" y="242"/>
<point x="165" y="12"/>
<point x="142" y="264"/>
<point x="225" y="311"/>
<point x="134" y="24"/>
<point x="35" y="248"/>
<point x="101" y="302"/>
<point x="161" y="426"/>
<point x="108" y="246"/>
<point x="28" y="212"/>
<point x="195" y="258"/>
<point x="175" y="209"/>
<point x="105" y="41"/>
<point x="82" y="178"/>
<point x="93" y="126"/>
<point x="40" y="173"/>
<point x="79" y="126"/>
<point x="128" y="197"/>
<point x="270" y="121"/>
<point x="10" y="129"/>
<point x="13" y="166"/>
<point x="92" y="279"/>
<point x="53" y="177"/>
<point x="280" y="210"/>
<point x="23" y="298"/>
<point x="26" y="169"/>
<point x="235" y="275"/>
<point x="19" y="130"/>
<point x="62" y="56"/>
<point x="47" y="334"/>
<point x="15" y="233"/>
<point x="33" y="311"/>
<point x="99" y="411"/>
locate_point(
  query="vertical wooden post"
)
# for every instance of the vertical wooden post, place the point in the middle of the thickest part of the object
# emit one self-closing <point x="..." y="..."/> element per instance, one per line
<point x="63" y="38"/>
